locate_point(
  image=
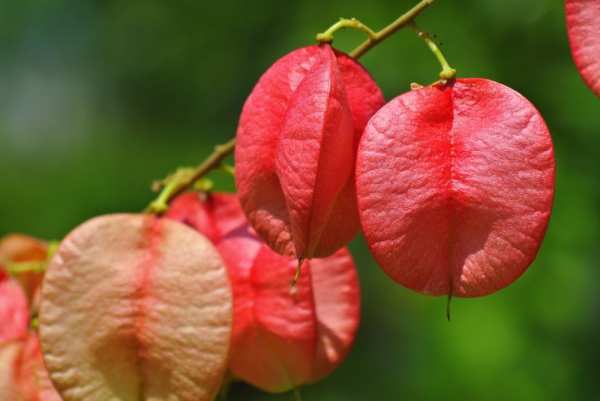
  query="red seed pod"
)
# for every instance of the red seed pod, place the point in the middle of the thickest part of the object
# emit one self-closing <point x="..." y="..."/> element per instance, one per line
<point x="136" y="308"/>
<point x="296" y="147"/>
<point x="283" y="337"/>
<point x="20" y="248"/>
<point x="213" y="214"/>
<point x="14" y="310"/>
<point x="23" y="376"/>
<point x="583" y="28"/>
<point x="455" y="186"/>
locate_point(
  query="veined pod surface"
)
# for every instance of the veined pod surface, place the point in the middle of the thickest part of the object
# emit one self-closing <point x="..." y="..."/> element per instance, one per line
<point x="136" y="308"/>
<point x="455" y="187"/>
<point x="282" y="337"/>
<point x="583" y="28"/>
<point x="285" y="337"/>
<point x="296" y="148"/>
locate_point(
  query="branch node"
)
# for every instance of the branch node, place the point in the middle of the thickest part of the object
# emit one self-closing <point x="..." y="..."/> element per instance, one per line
<point x="185" y="177"/>
<point x="389" y="30"/>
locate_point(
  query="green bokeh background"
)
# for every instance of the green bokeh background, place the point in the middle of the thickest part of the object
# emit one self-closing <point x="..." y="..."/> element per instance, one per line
<point x="99" y="98"/>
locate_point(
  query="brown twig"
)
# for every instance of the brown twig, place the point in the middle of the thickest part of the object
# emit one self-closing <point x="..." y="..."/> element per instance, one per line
<point x="185" y="177"/>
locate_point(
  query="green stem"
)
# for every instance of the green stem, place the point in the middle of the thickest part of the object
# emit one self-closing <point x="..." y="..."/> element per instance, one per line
<point x="374" y="37"/>
<point x="185" y="178"/>
<point x="228" y="168"/>
<point x="297" y="274"/>
<point x="34" y="266"/>
<point x="225" y="387"/>
<point x="14" y="269"/>
<point x="352" y="23"/>
<point x="297" y="395"/>
<point x="447" y="71"/>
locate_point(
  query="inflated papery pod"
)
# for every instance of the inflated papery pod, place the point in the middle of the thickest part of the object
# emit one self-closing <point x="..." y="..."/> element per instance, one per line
<point x="136" y="308"/>
<point x="284" y="337"/>
<point x="23" y="376"/>
<point x="583" y="27"/>
<point x="455" y="187"/>
<point x="296" y="148"/>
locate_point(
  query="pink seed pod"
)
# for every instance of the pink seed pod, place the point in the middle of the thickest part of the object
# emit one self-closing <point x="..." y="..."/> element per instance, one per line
<point x="583" y="28"/>
<point x="136" y="308"/>
<point x="455" y="187"/>
<point x="14" y="310"/>
<point x="213" y="215"/>
<point x="21" y="248"/>
<point x="296" y="149"/>
<point x="284" y="337"/>
<point x="23" y="376"/>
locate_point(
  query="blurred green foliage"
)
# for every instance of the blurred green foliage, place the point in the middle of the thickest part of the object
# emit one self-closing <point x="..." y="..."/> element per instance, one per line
<point x="99" y="98"/>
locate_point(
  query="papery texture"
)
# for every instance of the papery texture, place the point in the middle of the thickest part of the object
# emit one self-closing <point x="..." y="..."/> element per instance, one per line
<point x="583" y="28"/>
<point x="455" y="187"/>
<point x="136" y="308"/>
<point x="285" y="337"/>
<point x="295" y="150"/>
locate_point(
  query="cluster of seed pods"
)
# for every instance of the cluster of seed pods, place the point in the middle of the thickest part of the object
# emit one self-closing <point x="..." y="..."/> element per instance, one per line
<point x="283" y="336"/>
<point x="141" y="307"/>
<point x="454" y="182"/>
<point x="452" y="185"/>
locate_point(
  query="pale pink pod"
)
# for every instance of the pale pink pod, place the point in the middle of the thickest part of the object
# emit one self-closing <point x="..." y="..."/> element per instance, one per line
<point x="136" y="308"/>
